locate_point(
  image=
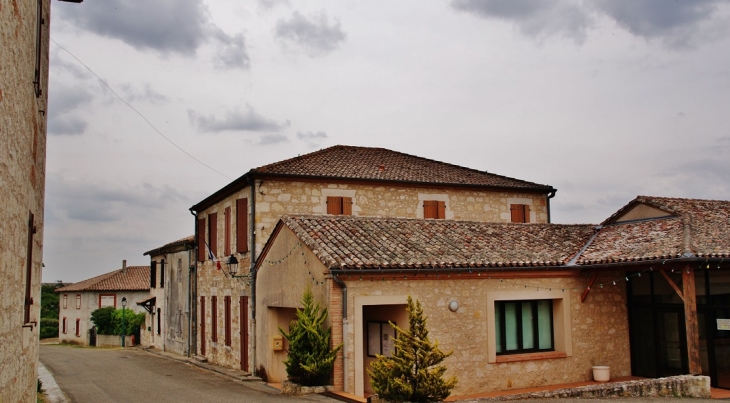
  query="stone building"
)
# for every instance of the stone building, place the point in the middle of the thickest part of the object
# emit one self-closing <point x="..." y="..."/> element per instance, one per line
<point x="645" y="293"/>
<point x="24" y="34"/>
<point x="77" y="301"/>
<point x="168" y="323"/>
<point x="235" y="222"/>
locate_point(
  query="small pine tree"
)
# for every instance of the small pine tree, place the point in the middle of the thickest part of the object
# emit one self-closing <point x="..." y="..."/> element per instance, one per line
<point x="413" y="373"/>
<point x="310" y="359"/>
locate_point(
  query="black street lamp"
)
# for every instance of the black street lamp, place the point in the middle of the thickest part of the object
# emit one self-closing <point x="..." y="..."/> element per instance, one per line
<point x="124" y="326"/>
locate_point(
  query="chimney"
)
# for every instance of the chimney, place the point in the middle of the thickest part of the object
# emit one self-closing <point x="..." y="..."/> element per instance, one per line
<point x="124" y="266"/>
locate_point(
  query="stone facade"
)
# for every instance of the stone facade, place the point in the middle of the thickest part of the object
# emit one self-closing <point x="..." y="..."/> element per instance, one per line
<point x="22" y="187"/>
<point x="77" y="315"/>
<point x="274" y="198"/>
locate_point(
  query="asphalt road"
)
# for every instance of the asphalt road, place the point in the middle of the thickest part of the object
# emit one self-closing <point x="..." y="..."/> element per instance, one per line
<point x="92" y="375"/>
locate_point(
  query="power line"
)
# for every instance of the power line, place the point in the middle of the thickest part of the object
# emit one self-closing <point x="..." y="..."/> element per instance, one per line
<point x="140" y="114"/>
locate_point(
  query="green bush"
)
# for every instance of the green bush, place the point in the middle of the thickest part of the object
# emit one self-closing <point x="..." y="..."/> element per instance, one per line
<point x="413" y="373"/>
<point x="49" y="328"/>
<point x="109" y="320"/>
<point x="103" y="320"/>
<point x="310" y="359"/>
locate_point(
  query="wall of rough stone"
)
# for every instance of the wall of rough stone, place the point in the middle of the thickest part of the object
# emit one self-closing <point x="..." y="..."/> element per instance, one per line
<point x="599" y="328"/>
<point x="22" y="181"/>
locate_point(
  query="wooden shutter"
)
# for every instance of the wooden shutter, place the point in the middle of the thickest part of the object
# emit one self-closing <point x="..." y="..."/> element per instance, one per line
<point x="227" y="234"/>
<point x="153" y="274"/>
<point x="526" y="212"/>
<point x="201" y="240"/>
<point x="243" y="322"/>
<point x="520" y="213"/>
<point x="162" y="273"/>
<point x="202" y="325"/>
<point x="29" y="270"/>
<point x="227" y="314"/>
<point x="347" y="206"/>
<point x="441" y="210"/>
<point x="213" y="233"/>
<point x="214" y="319"/>
<point x="430" y="209"/>
<point x="242" y="225"/>
<point x="334" y="205"/>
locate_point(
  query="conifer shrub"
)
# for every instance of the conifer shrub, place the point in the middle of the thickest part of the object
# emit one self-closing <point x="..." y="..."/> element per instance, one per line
<point x="413" y="373"/>
<point x="310" y="359"/>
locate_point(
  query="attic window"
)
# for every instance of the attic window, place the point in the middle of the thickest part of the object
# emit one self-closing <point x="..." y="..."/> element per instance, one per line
<point x="520" y="213"/>
<point x="338" y="205"/>
<point x="434" y="209"/>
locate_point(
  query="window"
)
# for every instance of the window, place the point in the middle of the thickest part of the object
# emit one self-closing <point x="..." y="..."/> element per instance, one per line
<point x="202" y="325"/>
<point x="78" y="327"/>
<point x="520" y="212"/>
<point x="78" y="301"/>
<point x="107" y="300"/>
<point x="162" y="273"/>
<point x="64" y="325"/>
<point x="338" y="205"/>
<point x="227" y="314"/>
<point x="28" y="301"/>
<point x="65" y="301"/>
<point x="202" y="254"/>
<point x="40" y="21"/>
<point x="159" y="321"/>
<point x="213" y="234"/>
<point x="523" y="326"/>
<point x="153" y="274"/>
<point x="214" y="319"/>
<point x="227" y="231"/>
<point x="242" y="225"/>
<point x="381" y="339"/>
<point x="434" y="209"/>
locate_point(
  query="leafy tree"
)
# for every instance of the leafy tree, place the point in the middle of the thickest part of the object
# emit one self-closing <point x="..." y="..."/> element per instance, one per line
<point x="103" y="320"/>
<point x="49" y="310"/>
<point x="310" y="359"/>
<point x="413" y="373"/>
<point x="132" y="321"/>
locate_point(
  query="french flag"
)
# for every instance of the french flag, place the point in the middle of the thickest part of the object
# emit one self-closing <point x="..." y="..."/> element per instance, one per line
<point x="211" y="256"/>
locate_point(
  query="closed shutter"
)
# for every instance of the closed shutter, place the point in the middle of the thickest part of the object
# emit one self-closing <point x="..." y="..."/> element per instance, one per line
<point x="520" y="213"/>
<point x="201" y="240"/>
<point x="214" y="319"/>
<point x="334" y="205"/>
<point x="162" y="273"/>
<point x="227" y="314"/>
<point x="347" y="206"/>
<point x="430" y="209"/>
<point x="213" y="233"/>
<point x="227" y="234"/>
<point x="441" y="210"/>
<point x="526" y="212"/>
<point x="153" y="274"/>
<point x="242" y="225"/>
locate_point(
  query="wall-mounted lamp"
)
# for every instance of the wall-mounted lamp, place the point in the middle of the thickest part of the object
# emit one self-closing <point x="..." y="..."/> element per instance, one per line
<point x="453" y="306"/>
<point x="232" y="266"/>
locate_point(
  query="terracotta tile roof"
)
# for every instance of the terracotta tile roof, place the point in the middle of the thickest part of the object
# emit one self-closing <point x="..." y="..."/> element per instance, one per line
<point x="136" y="278"/>
<point x="380" y="164"/>
<point x="697" y="228"/>
<point x="345" y="242"/>
<point x="188" y="242"/>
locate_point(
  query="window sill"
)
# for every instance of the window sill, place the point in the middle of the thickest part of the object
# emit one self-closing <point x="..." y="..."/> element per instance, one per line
<point x="531" y="356"/>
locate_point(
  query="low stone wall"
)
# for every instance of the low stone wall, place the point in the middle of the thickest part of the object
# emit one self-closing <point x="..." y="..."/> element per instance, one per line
<point x="111" y="340"/>
<point x="675" y="386"/>
<point x="291" y="388"/>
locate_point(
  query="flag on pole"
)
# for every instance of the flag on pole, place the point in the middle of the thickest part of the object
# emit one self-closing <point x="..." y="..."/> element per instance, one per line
<point x="212" y="257"/>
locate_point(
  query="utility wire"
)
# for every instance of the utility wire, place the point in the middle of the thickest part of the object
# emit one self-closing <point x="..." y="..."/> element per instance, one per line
<point x="140" y="114"/>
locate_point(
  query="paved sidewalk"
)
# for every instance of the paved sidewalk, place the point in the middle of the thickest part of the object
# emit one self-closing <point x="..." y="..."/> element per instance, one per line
<point x="52" y="392"/>
<point x="235" y="374"/>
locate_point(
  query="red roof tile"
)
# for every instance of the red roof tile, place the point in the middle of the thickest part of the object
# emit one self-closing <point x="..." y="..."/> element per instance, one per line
<point x="345" y="242"/>
<point x="135" y="278"/>
<point x="380" y="164"/>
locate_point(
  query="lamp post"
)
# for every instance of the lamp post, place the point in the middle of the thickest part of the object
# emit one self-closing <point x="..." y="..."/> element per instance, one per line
<point x="124" y="326"/>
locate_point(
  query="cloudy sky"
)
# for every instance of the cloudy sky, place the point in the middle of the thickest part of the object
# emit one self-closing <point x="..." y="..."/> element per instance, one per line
<point x="602" y="99"/>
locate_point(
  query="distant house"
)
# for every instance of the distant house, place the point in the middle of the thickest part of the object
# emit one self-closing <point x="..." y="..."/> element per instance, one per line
<point x="79" y="300"/>
<point x="646" y="293"/>
<point x="168" y="304"/>
<point x="234" y="223"/>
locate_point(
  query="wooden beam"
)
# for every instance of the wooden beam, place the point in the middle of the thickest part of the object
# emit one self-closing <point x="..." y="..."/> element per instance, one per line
<point x="691" y="323"/>
<point x="672" y="283"/>
<point x="588" y="289"/>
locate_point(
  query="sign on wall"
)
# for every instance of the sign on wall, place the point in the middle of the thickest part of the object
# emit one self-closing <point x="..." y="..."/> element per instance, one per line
<point x="381" y="338"/>
<point x="723" y="324"/>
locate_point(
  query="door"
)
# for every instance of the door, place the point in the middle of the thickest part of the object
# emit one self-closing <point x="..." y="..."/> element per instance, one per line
<point x="671" y="342"/>
<point x="202" y="326"/>
<point x="719" y="348"/>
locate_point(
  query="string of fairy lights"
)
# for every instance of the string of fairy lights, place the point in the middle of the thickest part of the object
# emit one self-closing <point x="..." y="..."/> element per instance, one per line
<point x="457" y="272"/>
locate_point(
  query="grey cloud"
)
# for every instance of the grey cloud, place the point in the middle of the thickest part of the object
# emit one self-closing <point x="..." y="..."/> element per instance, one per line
<point x="63" y="104"/>
<point x="269" y="139"/>
<point x="236" y="120"/>
<point x="269" y="4"/>
<point x="147" y="93"/>
<point x="679" y="24"/>
<point x="316" y="36"/>
<point x="313" y="139"/>
<point x="165" y="26"/>
<point x="536" y="19"/>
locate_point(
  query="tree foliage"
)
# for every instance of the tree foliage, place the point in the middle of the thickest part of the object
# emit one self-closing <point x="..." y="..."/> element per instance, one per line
<point x="310" y="359"/>
<point x="109" y="320"/>
<point x="412" y="373"/>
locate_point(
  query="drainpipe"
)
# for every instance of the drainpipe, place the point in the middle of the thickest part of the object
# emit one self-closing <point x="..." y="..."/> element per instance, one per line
<point x="192" y="294"/>
<point x="550" y="196"/>
<point x="252" y="237"/>
<point x="344" y="328"/>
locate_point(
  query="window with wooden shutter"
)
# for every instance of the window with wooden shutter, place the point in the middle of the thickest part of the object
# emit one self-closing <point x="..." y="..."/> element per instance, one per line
<point x="213" y="234"/>
<point x="153" y="274"/>
<point x="227" y="319"/>
<point x="242" y="225"/>
<point x="162" y="273"/>
<point x="338" y="205"/>
<point x="201" y="240"/>
<point x="434" y="209"/>
<point x="65" y="301"/>
<point x="227" y="229"/>
<point x="28" y="304"/>
<point x="214" y="319"/>
<point x="520" y="213"/>
<point x="78" y="327"/>
<point x="64" y="325"/>
<point x="159" y="321"/>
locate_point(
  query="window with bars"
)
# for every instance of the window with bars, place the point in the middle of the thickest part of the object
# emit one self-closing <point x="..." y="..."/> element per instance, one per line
<point x="338" y="205"/>
<point x="520" y="212"/>
<point x="434" y="209"/>
<point x="523" y="326"/>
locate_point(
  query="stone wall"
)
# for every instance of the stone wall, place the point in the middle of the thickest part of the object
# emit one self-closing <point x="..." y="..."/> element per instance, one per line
<point x="109" y="340"/>
<point x="22" y="181"/>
